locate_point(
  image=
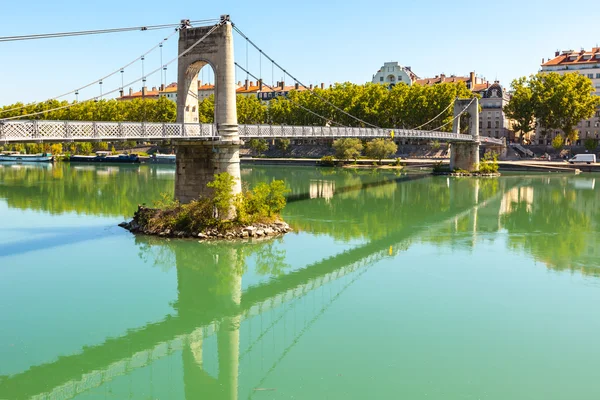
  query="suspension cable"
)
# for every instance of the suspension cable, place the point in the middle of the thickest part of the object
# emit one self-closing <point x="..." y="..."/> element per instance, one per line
<point x="456" y="116"/>
<point x="300" y="83"/>
<point x="217" y="25"/>
<point x="293" y="101"/>
<point x="432" y="119"/>
<point x="119" y="70"/>
<point x="99" y="31"/>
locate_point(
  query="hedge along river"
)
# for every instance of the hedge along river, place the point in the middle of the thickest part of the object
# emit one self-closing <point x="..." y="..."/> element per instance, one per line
<point x="391" y="286"/>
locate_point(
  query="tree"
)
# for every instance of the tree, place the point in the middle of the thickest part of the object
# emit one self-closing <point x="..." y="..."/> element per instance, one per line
<point x="250" y="110"/>
<point x="381" y="148"/>
<point x="347" y="148"/>
<point x="521" y="108"/>
<point x="258" y="145"/>
<point x="84" y="147"/>
<point x="557" y="142"/>
<point x="562" y="101"/>
<point x="590" y="144"/>
<point x="56" y="149"/>
<point x="101" y="146"/>
<point x="283" y="144"/>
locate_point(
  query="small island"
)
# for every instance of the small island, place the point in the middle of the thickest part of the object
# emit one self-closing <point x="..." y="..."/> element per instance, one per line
<point x="488" y="167"/>
<point x="223" y="215"/>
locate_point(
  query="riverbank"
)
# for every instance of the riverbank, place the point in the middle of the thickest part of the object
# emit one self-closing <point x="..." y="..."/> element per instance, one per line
<point x="505" y="166"/>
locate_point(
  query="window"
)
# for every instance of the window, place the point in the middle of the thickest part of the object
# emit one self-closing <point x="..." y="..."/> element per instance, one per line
<point x="497" y="124"/>
<point x="381" y="79"/>
<point x="399" y="78"/>
<point x="597" y="76"/>
<point x="591" y="76"/>
<point x="588" y="123"/>
<point x="496" y="133"/>
<point x="489" y="124"/>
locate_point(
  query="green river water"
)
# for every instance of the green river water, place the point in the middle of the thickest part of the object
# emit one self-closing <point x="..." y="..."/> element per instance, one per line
<point x="392" y="286"/>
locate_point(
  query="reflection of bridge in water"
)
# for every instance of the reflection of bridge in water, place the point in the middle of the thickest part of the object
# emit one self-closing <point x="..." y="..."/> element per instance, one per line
<point x="218" y="283"/>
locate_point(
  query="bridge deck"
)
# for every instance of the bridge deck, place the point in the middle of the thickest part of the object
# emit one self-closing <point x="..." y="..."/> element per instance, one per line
<point x="66" y="131"/>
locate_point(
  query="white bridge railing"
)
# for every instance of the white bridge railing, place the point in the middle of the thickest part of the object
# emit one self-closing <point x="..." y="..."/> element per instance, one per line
<point x="65" y="131"/>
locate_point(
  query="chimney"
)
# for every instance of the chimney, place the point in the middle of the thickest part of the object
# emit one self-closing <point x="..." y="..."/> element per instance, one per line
<point x="322" y="85"/>
<point x="281" y="85"/>
<point x="154" y="88"/>
<point x="144" y="89"/>
<point x="472" y="78"/>
<point x="296" y="86"/>
<point x="311" y="87"/>
<point x="442" y="77"/>
<point x="162" y="87"/>
<point x="239" y="83"/>
<point x="246" y="84"/>
<point x="543" y="60"/>
<point x="130" y="91"/>
<point x="251" y="83"/>
<point x="260" y="85"/>
<point x="556" y="53"/>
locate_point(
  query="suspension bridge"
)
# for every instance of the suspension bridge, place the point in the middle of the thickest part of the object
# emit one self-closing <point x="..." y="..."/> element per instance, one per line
<point x="207" y="149"/>
<point x="261" y="309"/>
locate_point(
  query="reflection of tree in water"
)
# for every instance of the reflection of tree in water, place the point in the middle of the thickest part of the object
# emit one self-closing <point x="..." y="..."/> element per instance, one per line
<point x="555" y="227"/>
<point x="106" y="190"/>
<point x="184" y="253"/>
<point x="377" y="209"/>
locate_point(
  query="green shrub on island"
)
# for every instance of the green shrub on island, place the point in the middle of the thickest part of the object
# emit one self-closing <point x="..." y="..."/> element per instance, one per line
<point x="222" y="210"/>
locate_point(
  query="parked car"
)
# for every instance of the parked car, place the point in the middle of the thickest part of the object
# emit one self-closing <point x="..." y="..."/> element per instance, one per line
<point x="583" y="158"/>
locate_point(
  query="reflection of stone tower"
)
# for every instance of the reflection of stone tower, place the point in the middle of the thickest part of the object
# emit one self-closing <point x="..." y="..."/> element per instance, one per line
<point x="206" y="282"/>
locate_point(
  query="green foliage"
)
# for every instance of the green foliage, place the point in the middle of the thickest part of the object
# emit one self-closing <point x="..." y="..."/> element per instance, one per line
<point x="259" y="146"/>
<point x="590" y="144"/>
<point x="347" y="148"/>
<point x="489" y="164"/>
<point x="101" y="146"/>
<point x="435" y="145"/>
<point x="149" y="110"/>
<point x="381" y="148"/>
<point x="222" y="198"/>
<point x="558" y="142"/>
<point x="327" y="161"/>
<point x="262" y="204"/>
<point x="521" y="108"/>
<point x="84" y="147"/>
<point x="283" y="144"/>
<point x="56" y="148"/>
<point x="562" y="101"/>
<point x="113" y="150"/>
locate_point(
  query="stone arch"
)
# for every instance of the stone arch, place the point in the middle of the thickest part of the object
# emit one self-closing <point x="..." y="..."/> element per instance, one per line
<point x="215" y="50"/>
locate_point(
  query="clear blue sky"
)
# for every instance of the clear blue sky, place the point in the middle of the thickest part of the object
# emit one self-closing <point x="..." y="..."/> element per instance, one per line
<point x="319" y="41"/>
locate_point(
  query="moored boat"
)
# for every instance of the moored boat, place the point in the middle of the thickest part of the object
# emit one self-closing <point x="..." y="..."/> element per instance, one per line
<point x="107" y="157"/>
<point x="13" y="156"/>
<point x="163" y="158"/>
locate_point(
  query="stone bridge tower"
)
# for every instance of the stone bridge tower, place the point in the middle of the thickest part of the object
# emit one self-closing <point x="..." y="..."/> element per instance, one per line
<point x="465" y="155"/>
<point x="199" y="160"/>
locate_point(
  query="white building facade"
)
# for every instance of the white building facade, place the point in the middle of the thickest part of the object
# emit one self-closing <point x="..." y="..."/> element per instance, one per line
<point x="392" y="73"/>
<point x="492" y="120"/>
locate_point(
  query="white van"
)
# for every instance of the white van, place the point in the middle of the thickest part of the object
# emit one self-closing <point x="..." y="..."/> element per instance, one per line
<point x="583" y="158"/>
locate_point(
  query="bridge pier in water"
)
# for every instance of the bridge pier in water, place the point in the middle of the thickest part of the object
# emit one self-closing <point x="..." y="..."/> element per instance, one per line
<point x="465" y="155"/>
<point x="198" y="161"/>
